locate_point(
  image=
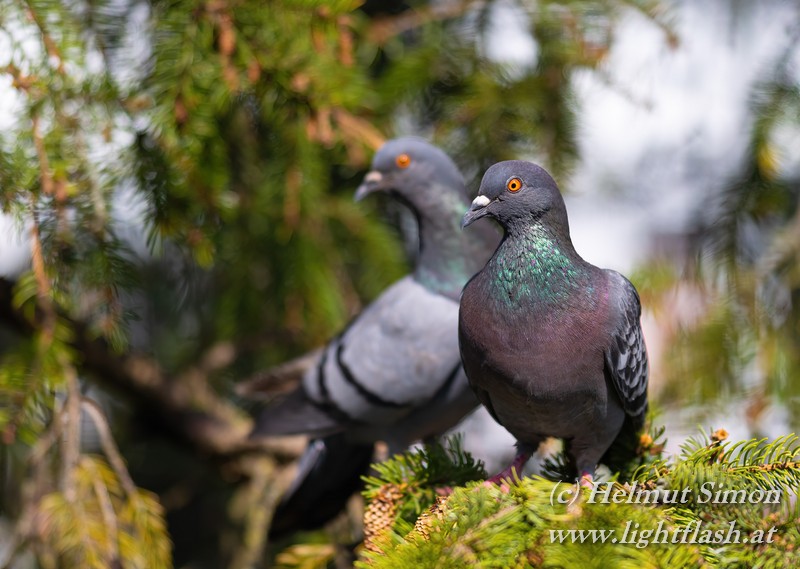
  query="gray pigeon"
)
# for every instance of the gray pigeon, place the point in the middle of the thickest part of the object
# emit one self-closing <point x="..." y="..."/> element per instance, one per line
<point x="551" y="344"/>
<point x="394" y="374"/>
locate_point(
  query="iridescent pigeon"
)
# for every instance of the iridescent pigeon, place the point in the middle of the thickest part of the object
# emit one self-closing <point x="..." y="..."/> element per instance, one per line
<point x="551" y="344"/>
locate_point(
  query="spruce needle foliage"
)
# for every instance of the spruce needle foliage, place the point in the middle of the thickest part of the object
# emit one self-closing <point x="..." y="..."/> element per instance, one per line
<point x="100" y="526"/>
<point x="526" y="524"/>
<point x="417" y="475"/>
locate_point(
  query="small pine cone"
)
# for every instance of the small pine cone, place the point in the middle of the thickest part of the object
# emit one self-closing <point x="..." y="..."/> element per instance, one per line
<point x="380" y="513"/>
<point x="424" y="523"/>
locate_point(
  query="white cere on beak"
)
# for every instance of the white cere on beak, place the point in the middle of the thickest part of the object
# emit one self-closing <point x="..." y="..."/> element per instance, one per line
<point x="373" y="177"/>
<point x="480" y="201"/>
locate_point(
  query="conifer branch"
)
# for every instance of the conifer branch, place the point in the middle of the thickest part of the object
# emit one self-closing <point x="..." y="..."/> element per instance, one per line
<point x="186" y="403"/>
<point x="107" y="512"/>
<point x="71" y="443"/>
<point x="385" y="29"/>
<point x="476" y="525"/>
<point x="39" y="271"/>
<point x="252" y="506"/>
<point x="108" y="445"/>
<point x="49" y="43"/>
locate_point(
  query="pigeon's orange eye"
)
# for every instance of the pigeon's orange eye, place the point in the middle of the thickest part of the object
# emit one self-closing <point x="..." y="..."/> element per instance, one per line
<point x="514" y="185"/>
<point x="403" y="161"/>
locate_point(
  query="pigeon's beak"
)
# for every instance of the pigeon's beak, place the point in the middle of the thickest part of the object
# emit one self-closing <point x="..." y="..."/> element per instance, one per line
<point x="372" y="181"/>
<point x="476" y="211"/>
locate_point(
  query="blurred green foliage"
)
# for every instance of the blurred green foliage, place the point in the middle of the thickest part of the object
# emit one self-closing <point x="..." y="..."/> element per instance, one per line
<point x="744" y="256"/>
<point x="240" y="131"/>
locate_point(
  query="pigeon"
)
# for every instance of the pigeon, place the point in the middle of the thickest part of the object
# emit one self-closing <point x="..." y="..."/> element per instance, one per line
<point x="394" y="373"/>
<point x="551" y="344"/>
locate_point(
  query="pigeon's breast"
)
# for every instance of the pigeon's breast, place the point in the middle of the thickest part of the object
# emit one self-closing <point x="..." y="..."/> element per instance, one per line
<point x="539" y="363"/>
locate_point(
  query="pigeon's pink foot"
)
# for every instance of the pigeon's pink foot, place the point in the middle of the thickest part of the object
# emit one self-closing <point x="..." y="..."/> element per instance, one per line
<point x="586" y="480"/>
<point x="512" y="473"/>
<point x="503" y="477"/>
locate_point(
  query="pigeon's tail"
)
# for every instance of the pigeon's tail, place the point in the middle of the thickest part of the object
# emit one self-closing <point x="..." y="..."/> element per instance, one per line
<point x="328" y="473"/>
<point x="623" y="456"/>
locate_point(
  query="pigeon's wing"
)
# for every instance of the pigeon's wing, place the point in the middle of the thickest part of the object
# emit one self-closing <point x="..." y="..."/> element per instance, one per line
<point x="297" y="414"/>
<point x="398" y="355"/>
<point x="626" y="356"/>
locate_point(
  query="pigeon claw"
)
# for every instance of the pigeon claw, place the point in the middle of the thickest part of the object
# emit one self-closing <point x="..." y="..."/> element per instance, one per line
<point x="586" y="480"/>
<point x="512" y="473"/>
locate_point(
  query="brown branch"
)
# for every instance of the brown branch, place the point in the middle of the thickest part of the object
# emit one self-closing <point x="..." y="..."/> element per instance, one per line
<point x="35" y="485"/>
<point x="49" y="43"/>
<point x="186" y="404"/>
<point x="106" y="510"/>
<point x="41" y="153"/>
<point x="358" y="128"/>
<point x="71" y="443"/>
<point x="384" y="29"/>
<point x="251" y="506"/>
<point x="278" y="380"/>
<point x="44" y="301"/>
<point x="15" y="548"/>
<point x="108" y="445"/>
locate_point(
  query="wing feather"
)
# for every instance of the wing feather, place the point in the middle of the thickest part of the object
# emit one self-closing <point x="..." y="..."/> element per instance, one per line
<point x="626" y="356"/>
<point x="393" y="359"/>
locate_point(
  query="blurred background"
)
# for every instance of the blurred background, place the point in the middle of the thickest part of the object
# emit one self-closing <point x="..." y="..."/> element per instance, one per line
<point x="176" y="183"/>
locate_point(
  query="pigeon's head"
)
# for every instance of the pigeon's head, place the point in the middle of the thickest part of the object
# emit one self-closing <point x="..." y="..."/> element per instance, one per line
<point x="515" y="192"/>
<point x="413" y="171"/>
